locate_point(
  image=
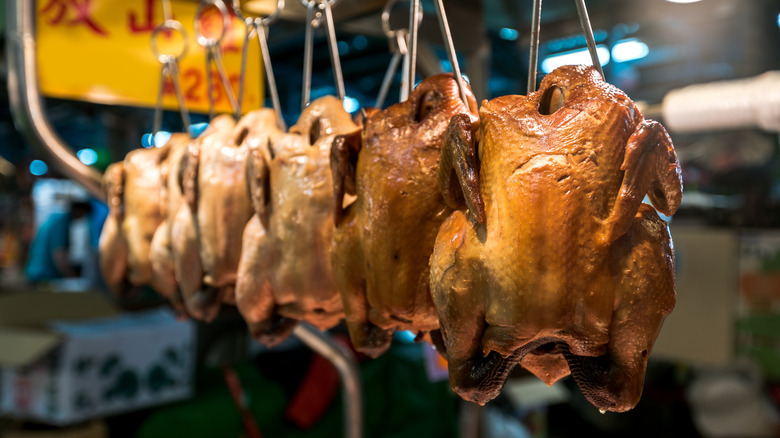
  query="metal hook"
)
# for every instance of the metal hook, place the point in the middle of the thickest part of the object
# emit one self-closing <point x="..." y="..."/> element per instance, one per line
<point x="587" y="30"/>
<point x="399" y="46"/>
<point x="447" y="37"/>
<point x="414" y="30"/>
<point x="582" y="11"/>
<point x="313" y="19"/>
<point x="259" y="26"/>
<point x="534" y="50"/>
<point x="170" y="67"/>
<point x="214" y="55"/>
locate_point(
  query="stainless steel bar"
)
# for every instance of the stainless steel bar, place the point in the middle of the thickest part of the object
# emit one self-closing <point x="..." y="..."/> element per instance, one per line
<point x="308" y="47"/>
<point x="388" y="79"/>
<point x="533" y="59"/>
<point x="414" y="30"/>
<point x="347" y="366"/>
<point x="269" y="73"/>
<point x="334" y="50"/>
<point x="250" y="28"/>
<point x="588" y="31"/>
<point x="185" y="114"/>
<point x="450" y="46"/>
<point x="26" y="104"/>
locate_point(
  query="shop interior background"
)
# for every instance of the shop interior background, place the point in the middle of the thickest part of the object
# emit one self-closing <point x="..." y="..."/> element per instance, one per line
<point x="716" y="368"/>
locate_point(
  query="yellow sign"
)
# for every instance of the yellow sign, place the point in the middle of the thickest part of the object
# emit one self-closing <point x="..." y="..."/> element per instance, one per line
<point x="99" y="50"/>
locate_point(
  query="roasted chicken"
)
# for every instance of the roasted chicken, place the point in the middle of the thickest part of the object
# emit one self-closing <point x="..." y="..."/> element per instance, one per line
<point x="383" y="240"/>
<point x="551" y="258"/>
<point x="285" y="273"/>
<point x="161" y="251"/>
<point x="206" y="231"/>
<point x="134" y="200"/>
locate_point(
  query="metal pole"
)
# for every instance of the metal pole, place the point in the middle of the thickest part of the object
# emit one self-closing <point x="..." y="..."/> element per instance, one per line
<point x="346" y="364"/>
<point x="308" y="47"/>
<point x="534" y="57"/>
<point x="447" y="37"/>
<point x="588" y="31"/>
<point x="26" y="106"/>
<point x="414" y="27"/>
<point x="334" y="50"/>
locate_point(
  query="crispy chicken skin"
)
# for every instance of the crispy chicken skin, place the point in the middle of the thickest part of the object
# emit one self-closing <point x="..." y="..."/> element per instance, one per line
<point x="384" y="239"/>
<point x="133" y="192"/>
<point x="550" y="258"/>
<point x="207" y="230"/>
<point x="285" y="271"/>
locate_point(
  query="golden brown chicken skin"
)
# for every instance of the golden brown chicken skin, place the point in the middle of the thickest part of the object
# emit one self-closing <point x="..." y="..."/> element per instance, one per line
<point x="161" y="250"/>
<point x="207" y="230"/>
<point x="285" y="272"/>
<point x="133" y="191"/>
<point x="552" y="259"/>
<point x="383" y="240"/>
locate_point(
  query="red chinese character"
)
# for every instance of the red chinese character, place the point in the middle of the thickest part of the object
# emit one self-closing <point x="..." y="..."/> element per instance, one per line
<point x="79" y="10"/>
<point x="148" y="24"/>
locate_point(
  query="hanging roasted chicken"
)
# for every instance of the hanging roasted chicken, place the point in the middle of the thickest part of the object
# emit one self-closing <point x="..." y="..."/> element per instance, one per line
<point x="285" y="273"/>
<point x="161" y="251"/>
<point x="133" y="191"/>
<point x="554" y="261"/>
<point x="383" y="240"/>
<point x="207" y="230"/>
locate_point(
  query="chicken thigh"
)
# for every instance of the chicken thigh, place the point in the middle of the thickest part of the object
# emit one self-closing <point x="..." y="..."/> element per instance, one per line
<point x="551" y="258"/>
<point x="383" y="240"/>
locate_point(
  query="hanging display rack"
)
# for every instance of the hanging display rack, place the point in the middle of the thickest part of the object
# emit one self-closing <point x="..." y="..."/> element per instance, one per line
<point x="31" y="120"/>
<point x="587" y="30"/>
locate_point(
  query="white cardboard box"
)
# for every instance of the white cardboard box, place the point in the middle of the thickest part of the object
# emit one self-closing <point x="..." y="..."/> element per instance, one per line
<point x="68" y="357"/>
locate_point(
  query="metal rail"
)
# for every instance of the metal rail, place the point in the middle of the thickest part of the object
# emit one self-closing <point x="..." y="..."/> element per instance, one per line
<point x="346" y="364"/>
<point x="32" y="122"/>
<point x="26" y="104"/>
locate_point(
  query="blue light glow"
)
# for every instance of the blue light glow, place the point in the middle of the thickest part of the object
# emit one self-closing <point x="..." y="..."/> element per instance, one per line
<point x="629" y="50"/>
<point x="38" y="168"/>
<point x="508" y="34"/>
<point x="351" y="104"/>
<point x="87" y="156"/>
<point x="360" y="42"/>
<point x="343" y="48"/>
<point x="581" y="56"/>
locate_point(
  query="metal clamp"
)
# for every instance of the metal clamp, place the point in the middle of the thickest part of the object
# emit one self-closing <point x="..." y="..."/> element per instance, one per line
<point x="587" y="30"/>
<point x="399" y="46"/>
<point x="170" y="67"/>
<point x="214" y="54"/>
<point x="259" y="26"/>
<point x="451" y="54"/>
<point x="315" y="9"/>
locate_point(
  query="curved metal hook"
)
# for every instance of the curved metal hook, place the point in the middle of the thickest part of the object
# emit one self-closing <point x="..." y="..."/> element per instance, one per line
<point x="28" y="115"/>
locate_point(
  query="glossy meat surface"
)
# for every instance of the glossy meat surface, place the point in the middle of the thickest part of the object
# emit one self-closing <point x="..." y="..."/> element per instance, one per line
<point x="552" y="260"/>
<point x="383" y="240"/>
<point x="134" y="199"/>
<point x="161" y="251"/>
<point x="208" y="227"/>
<point x="285" y="273"/>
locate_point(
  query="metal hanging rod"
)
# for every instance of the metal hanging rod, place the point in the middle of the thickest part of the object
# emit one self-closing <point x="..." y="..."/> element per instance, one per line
<point x="587" y="30"/>
<point x="31" y="120"/>
<point x="315" y="10"/>
<point x="450" y="46"/>
<point x="259" y="26"/>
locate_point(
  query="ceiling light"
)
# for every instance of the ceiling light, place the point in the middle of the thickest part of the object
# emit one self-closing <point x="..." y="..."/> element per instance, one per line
<point x="508" y="34"/>
<point x="683" y="1"/>
<point x="581" y="56"/>
<point x="629" y="50"/>
<point x="38" y="168"/>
